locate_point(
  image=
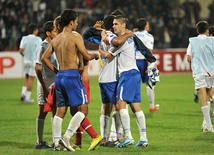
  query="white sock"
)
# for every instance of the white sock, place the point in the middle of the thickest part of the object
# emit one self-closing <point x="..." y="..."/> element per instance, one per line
<point x="208" y="103"/>
<point x="104" y="124"/>
<point x="151" y="96"/>
<point x="125" y="120"/>
<point x="206" y="113"/>
<point x="141" y="123"/>
<point x="28" y="94"/>
<point x="113" y="133"/>
<point x="115" y="125"/>
<point x="74" y="124"/>
<point x="24" y="89"/>
<point x="39" y="129"/>
<point x="118" y="124"/>
<point x="195" y="92"/>
<point x="212" y="98"/>
<point x="57" y="128"/>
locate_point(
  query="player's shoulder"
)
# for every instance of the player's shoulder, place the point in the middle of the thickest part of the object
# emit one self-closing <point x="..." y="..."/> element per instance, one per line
<point x="149" y="35"/>
<point x="75" y="33"/>
<point x="24" y="38"/>
<point x="38" y="37"/>
<point x="193" y="38"/>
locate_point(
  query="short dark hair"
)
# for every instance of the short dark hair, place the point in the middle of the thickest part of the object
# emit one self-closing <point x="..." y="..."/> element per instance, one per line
<point x="141" y="23"/>
<point x="31" y="28"/>
<point x="211" y="30"/>
<point x="48" y="27"/>
<point x="108" y="22"/>
<point x="66" y="16"/>
<point x="202" y="27"/>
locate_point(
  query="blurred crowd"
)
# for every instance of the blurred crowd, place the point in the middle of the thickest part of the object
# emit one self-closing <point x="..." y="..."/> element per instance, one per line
<point x="171" y="22"/>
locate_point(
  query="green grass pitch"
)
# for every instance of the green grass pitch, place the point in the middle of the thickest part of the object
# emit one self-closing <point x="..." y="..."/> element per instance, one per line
<point x="174" y="129"/>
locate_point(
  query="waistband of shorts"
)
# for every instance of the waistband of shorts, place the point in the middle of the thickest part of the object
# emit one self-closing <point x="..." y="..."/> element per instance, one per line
<point x="68" y="72"/>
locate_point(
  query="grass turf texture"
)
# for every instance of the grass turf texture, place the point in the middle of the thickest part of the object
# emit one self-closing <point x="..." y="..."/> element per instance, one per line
<point x="174" y="129"/>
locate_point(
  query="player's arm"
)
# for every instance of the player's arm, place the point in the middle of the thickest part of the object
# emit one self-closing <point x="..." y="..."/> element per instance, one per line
<point x="21" y="51"/>
<point x="189" y="58"/>
<point x="105" y="54"/>
<point x="122" y="38"/>
<point x="38" y="69"/>
<point x="85" y="75"/>
<point x="21" y="47"/>
<point x="82" y="49"/>
<point x="45" y="59"/>
<point x="188" y="54"/>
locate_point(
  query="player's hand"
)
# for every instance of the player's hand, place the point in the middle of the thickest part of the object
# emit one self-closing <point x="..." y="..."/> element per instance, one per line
<point x="96" y="57"/>
<point x="130" y="33"/>
<point x="98" y="25"/>
<point x="104" y="36"/>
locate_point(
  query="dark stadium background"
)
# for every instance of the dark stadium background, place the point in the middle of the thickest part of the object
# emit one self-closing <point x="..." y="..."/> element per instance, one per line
<point x="172" y="21"/>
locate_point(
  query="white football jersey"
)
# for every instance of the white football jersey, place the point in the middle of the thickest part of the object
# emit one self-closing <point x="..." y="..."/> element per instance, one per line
<point x="148" y="41"/>
<point x="109" y="72"/>
<point x="30" y="44"/>
<point x="126" y="56"/>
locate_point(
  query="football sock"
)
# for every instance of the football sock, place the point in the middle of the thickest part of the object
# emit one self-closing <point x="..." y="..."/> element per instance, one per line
<point x="125" y="120"/>
<point x="117" y="123"/>
<point x="141" y="123"/>
<point x="89" y="128"/>
<point x="113" y="133"/>
<point x="104" y="124"/>
<point x="28" y="94"/>
<point x="57" y="127"/>
<point x="206" y="113"/>
<point x="74" y="124"/>
<point x="24" y="89"/>
<point x="39" y="129"/>
<point x="151" y="96"/>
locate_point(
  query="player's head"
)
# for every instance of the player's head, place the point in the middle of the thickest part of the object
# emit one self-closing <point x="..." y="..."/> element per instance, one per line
<point x="142" y="24"/>
<point x="118" y="12"/>
<point x="49" y="29"/>
<point x="119" y="24"/>
<point x="211" y="31"/>
<point x="57" y="24"/>
<point x="33" y="29"/>
<point x="202" y="27"/>
<point x="108" y="22"/>
<point x="69" y="17"/>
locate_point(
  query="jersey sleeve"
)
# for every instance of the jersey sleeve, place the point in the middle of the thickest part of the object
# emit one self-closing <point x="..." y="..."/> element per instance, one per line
<point x="39" y="55"/>
<point x="22" y="43"/>
<point x="189" y="50"/>
<point x="150" y="43"/>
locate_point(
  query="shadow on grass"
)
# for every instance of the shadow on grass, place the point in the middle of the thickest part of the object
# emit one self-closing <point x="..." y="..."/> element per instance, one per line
<point x="205" y="137"/>
<point x="16" y="144"/>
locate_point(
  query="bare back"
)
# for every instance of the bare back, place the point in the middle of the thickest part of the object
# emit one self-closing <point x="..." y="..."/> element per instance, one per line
<point x="65" y="47"/>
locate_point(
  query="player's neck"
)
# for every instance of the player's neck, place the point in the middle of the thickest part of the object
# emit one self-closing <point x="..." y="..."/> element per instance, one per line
<point x="67" y="29"/>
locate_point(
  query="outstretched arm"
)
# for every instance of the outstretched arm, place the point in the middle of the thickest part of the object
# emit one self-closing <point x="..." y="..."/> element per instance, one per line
<point x="122" y="38"/>
<point x="105" y="54"/>
<point x="82" y="49"/>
